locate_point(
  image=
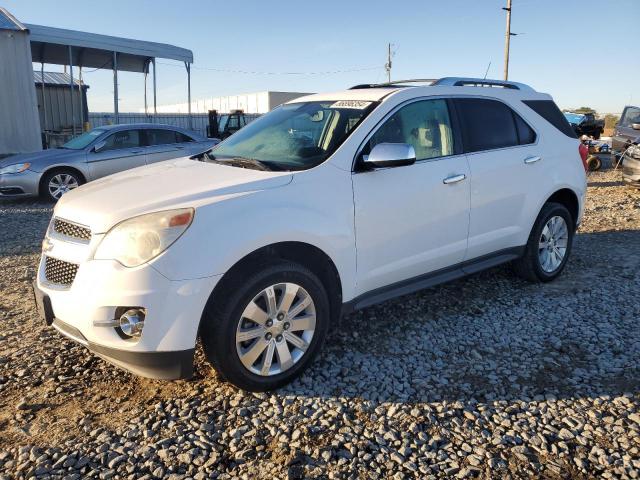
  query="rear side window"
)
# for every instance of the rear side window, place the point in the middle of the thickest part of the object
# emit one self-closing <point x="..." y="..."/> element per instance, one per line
<point x="161" y="137"/>
<point x="486" y="124"/>
<point x="526" y="135"/>
<point x="548" y="110"/>
<point x="182" y="138"/>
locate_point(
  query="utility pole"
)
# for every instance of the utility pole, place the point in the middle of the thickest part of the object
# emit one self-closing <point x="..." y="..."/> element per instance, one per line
<point x="507" y="40"/>
<point x="387" y="66"/>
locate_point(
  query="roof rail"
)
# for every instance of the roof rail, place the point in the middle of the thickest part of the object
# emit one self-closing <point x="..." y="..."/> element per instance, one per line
<point x="481" y="82"/>
<point x="395" y="83"/>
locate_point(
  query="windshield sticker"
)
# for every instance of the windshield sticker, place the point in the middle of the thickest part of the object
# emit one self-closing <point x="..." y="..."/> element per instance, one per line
<point x="355" y="104"/>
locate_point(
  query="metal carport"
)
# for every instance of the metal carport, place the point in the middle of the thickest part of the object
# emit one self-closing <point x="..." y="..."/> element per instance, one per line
<point x="82" y="49"/>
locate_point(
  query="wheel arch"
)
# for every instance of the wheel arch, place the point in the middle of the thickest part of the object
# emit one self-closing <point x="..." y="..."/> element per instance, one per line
<point x="59" y="168"/>
<point x="568" y="198"/>
<point x="302" y="253"/>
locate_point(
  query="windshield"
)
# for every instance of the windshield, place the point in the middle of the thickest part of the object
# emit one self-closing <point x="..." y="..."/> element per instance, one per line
<point x="574" y="118"/>
<point x="83" y="140"/>
<point x="295" y="136"/>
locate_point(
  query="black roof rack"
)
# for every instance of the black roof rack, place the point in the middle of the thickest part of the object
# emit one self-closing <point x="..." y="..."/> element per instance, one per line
<point x="395" y="83"/>
<point x="452" y="82"/>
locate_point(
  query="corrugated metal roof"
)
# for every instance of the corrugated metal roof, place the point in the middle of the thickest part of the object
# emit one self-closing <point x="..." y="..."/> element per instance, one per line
<point x="50" y="45"/>
<point x="9" y="22"/>
<point x="56" y="78"/>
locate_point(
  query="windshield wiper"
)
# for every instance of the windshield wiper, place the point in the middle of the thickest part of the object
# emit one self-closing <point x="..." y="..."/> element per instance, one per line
<point x="245" y="162"/>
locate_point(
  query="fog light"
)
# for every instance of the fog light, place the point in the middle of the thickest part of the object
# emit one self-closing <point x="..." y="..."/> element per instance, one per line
<point x="132" y="322"/>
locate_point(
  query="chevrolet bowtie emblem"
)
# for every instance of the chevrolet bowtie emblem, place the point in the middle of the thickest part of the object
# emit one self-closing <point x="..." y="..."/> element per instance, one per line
<point x="47" y="246"/>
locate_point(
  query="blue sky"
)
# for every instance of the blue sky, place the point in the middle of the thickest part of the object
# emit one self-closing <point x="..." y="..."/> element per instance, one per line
<point x="573" y="49"/>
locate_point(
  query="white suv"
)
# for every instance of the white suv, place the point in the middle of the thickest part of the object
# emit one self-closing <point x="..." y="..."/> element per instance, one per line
<point x="327" y="204"/>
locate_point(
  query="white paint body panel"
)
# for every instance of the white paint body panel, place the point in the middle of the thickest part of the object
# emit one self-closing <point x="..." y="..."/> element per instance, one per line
<point x="377" y="227"/>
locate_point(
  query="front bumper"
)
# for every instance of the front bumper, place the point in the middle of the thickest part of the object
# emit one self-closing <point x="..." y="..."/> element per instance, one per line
<point x="85" y="312"/>
<point x="24" y="184"/>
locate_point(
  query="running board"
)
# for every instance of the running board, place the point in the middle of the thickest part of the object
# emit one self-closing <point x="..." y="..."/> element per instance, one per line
<point x="431" y="279"/>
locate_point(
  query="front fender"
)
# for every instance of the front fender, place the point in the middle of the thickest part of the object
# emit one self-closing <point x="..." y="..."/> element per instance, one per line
<point x="226" y="231"/>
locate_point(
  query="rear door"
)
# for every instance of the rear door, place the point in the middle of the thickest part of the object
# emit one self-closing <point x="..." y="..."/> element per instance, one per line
<point x="122" y="150"/>
<point x="624" y="132"/>
<point x="163" y="145"/>
<point x="507" y="170"/>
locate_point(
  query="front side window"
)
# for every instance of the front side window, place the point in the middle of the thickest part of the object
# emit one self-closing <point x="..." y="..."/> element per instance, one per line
<point x="83" y="140"/>
<point x="424" y="124"/>
<point x="122" y="139"/>
<point x="295" y="136"/>
<point x="160" y="137"/>
<point x="631" y="116"/>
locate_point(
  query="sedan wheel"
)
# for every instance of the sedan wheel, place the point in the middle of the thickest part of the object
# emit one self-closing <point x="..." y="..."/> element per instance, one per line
<point x="275" y="329"/>
<point x="61" y="183"/>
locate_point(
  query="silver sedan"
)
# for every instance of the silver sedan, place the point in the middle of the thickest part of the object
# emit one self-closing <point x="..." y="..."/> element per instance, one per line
<point x="95" y="154"/>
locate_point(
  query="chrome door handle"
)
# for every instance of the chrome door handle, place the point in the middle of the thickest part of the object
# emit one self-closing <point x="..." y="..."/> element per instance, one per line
<point x="179" y="148"/>
<point x="137" y="151"/>
<point x="454" y="179"/>
<point x="532" y="159"/>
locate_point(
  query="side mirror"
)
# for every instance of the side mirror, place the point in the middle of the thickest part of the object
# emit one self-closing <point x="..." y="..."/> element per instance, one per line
<point x="99" y="146"/>
<point x="390" y="155"/>
<point x="635" y="126"/>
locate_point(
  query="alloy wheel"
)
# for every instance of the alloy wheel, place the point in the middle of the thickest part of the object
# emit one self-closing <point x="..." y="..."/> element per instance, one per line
<point x="552" y="247"/>
<point x="61" y="184"/>
<point x="276" y="329"/>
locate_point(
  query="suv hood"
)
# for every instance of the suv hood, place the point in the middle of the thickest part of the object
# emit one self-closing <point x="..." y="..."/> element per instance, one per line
<point x="162" y="186"/>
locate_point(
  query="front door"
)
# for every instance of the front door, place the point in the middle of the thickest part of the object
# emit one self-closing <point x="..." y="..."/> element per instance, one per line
<point x="122" y="150"/>
<point x="408" y="221"/>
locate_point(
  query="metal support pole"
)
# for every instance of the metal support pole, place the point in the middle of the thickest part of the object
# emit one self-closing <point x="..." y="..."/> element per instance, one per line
<point x="73" y="110"/>
<point x="155" y="105"/>
<point x="188" y="66"/>
<point x="507" y="40"/>
<point x="146" y="72"/>
<point x="81" y="101"/>
<point x="115" y="87"/>
<point x="44" y="99"/>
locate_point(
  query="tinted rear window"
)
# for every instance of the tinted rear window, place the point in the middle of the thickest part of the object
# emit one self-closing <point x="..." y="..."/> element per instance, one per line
<point x="486" y="124"/>
<point x="548" y="110"/>
<point x="526" y="135"/>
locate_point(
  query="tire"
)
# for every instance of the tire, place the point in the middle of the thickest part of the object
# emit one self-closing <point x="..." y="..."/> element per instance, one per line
<point x="594" y="163"/>
<point x="531" y="266"/>
<point x="65" y="179"/>
<point x="230" y="313"/>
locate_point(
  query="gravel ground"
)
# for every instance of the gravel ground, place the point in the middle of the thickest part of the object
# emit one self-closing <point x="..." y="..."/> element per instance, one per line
<point x="487" y="377"/>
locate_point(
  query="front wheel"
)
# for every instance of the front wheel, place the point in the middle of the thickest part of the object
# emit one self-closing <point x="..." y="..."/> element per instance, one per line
<point x="549" y="245"/>
<point x="57" y="183"/>
<point x="263" y="331"/>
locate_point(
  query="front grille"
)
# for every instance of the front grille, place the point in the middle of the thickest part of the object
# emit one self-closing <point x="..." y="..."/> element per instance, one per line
<point x="59" y="272"/>
<point x="72" y="230"/>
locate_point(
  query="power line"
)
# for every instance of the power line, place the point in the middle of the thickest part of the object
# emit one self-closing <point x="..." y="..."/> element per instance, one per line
<point x="257" y="72"/>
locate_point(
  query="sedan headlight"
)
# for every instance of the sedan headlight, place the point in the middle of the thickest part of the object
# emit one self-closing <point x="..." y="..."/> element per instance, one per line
<point x="15" y="168"/>
<point x="140" y="239"/>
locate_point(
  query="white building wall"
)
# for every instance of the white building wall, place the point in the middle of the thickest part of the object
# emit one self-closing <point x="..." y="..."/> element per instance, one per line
<point x="259" y="102"/>
<point x="19" y="120"/>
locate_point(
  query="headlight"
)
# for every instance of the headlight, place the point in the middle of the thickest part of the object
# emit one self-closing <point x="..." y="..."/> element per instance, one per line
<point x="140" y="239"/>
<point x="16" y="168"/>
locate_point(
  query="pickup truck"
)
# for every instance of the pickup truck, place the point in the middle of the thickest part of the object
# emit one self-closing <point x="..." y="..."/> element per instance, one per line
<point x="585" y="124"/>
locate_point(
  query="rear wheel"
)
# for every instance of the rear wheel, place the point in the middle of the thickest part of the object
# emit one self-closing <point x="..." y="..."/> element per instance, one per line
<point x="263" y="331"/>
<point x="57" y="183"/>
<point x="549" y="245"/>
